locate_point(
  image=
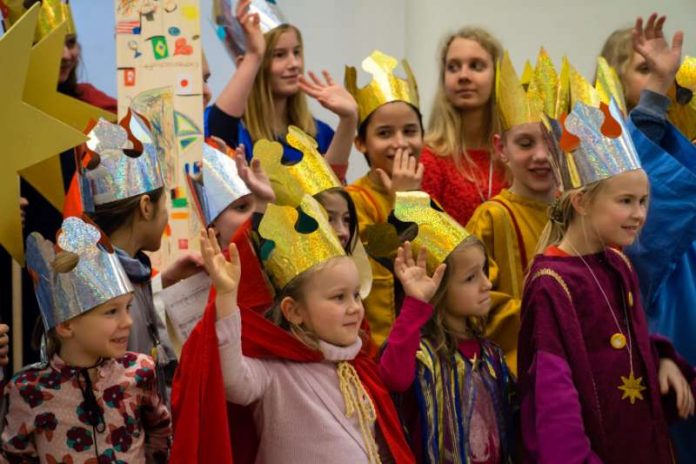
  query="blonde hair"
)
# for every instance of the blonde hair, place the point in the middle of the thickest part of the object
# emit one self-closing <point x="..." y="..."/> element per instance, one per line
<point x="445" y="129"/>
<point x="258" y="117"/>
<point x="562" y="213"/>
<point x="618" y="50"/>
<point x="436" y="330"/>
<point x="295" y="289"/>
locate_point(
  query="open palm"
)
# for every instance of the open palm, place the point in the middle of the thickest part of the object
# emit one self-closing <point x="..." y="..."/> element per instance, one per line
<point x="225" y="274"/>
<point x="330" y="95"/>
<point x="662" y="58"/>
<point x="413" y="274"/>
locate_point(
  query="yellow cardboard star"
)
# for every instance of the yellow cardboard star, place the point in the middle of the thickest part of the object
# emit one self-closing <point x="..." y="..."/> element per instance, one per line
<point x="632" y="388"/>
<point x="40" y="92"/>
<point x="28" y="136"/>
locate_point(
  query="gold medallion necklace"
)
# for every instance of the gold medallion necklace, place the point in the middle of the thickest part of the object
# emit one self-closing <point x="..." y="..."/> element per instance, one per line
<point x="631" y="386"/>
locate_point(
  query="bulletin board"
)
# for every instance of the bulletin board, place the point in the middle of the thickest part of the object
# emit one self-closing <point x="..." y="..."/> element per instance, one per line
<point x="158" y="57"/>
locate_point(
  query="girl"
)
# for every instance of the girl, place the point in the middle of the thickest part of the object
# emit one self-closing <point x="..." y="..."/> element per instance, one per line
<point x="460" y="170"/>
<point x="270" y="76"/>
<point x="330" y="393"/>
<point x="510" y="224"/>
<point x="457" y="407"/>
<point x="390" y="135"/>
<point x="132" y="212"/>
<point x="92" y="401"/>
<point x="591" y="377"/>
<point x="665" y="254"/>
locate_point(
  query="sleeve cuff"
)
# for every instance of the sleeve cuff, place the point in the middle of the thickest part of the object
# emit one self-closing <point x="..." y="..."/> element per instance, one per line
<point x="654" y="103"/>
<point x="229" y="329"/>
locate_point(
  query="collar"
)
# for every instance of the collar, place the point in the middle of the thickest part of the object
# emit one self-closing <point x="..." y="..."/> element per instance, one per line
<point x="336" y="353"/>
<point x="138" y="267"/>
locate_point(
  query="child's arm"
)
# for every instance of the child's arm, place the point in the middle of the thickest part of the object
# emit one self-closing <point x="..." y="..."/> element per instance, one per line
<point x="397" y="365"/>
<point x="245" y="379"/>
<point x="156" y="420"/>
<point x="233" y="98"/>
<point x="339" y="101"/>
<point x="675" y="376"/>
<point x="552" y="424"/>
<point x="18" y="428"/>
<point x="255" y="179"/>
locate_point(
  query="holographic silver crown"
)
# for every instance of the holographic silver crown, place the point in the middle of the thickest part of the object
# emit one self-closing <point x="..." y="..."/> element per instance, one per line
<point x="591" y="144"/>
<point x="230" y="31"/>
<point x="125" y="164"/>
<point x="97" y="278"/>
<point x="215" y="184"/>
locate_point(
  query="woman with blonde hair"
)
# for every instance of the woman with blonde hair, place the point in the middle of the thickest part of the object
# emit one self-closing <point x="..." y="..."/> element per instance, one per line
<point x="460" y="170"/>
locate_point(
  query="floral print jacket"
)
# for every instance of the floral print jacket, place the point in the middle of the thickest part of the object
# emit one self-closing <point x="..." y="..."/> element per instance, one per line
<point x="47" y="419"/>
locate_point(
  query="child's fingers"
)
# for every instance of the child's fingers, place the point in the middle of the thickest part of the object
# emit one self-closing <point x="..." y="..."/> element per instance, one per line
<point x="315" y="79"/>
<point x="678" y="41"/>
<point x="420" y="171"/>
<point x="327" y="77"/>
<point x="422" y="256"/>
<point x="658" y="26"/>
<point x="664" y="384"/>
<point x="234" y="253"/>
<point x="439" y="274"/>
<point x="212" y="238"/>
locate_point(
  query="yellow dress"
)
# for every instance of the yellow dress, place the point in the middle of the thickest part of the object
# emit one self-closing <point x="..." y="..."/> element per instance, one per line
<point x="510" y="226"/>
<point x="373" y="205"/>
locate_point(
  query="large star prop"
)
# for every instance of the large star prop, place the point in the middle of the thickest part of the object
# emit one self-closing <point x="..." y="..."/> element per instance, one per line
<point x="40" y="92"/>
<point x="27" y="135"/>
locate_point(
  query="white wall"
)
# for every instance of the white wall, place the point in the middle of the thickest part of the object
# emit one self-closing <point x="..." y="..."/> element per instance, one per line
<point x="340" y="32"/>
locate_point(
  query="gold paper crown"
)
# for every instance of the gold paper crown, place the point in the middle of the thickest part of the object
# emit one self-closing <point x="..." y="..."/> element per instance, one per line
<point x="310" y="175"/>
<point x="607" y="86"/>
<point x="520" y="104"/>
<point x="682" y="111"/>
<point x="385" y="87"/>
<point x="437" y="231"/>
<point x="51" y="14"/>
<point x="296" y="239"/>
<point x="592" y="142"/>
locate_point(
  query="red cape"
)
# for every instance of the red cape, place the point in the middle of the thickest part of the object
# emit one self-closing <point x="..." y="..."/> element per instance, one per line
<point x="201" y="427"/>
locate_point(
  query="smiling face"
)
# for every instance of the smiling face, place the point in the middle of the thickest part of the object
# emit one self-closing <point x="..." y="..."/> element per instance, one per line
<point x="99" y="333"/>
<point x="286" y="64"/>
<point x="618" y="210"/>
<point x="392" y="126"/>
<point x="469" y="74"/>
<point x="329" y="306"/>
<point x="336" y="207"/>
<point x="524" y="150"/>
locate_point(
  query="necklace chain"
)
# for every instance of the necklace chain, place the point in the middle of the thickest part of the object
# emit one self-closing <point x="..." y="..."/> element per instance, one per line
<point x="611" y="308"/>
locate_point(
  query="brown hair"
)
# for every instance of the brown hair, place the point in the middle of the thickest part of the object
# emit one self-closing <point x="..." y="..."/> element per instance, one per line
<point x="618" y="50"/>
<point x="258" y="117"/>
<point x="112" y="216"/>
<point x="354" y="236"/>
<point x="443" y="337"/>
<point x="445" y="129"/>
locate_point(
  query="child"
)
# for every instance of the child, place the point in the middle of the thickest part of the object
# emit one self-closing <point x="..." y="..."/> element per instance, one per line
<point x="270" y="57"/>
<point x="510" y="224"/>
<point x="122" y="190"/>
<point x="332" y="405"/>
<point x="390" y="135"/>
<point x="457" y="382"/>
<point x="591" y="377"/>
<point x="665" y="253"/>
<point x="460" y="170"/>
<point x="92" y="401"/>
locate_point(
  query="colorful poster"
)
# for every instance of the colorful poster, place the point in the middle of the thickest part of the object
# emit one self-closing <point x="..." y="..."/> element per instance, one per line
<point x="159" y="60"/>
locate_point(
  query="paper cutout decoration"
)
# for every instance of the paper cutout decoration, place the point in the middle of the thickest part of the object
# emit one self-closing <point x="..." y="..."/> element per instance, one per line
<point x="28" y="135"/>
<point x="40" y="92"/>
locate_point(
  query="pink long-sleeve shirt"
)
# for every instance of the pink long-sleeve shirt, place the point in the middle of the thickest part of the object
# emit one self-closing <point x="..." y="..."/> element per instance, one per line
<point x="299" y="411"/>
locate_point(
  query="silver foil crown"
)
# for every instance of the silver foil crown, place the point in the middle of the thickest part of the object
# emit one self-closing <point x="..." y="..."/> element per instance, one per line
<point x="214" y="184"/>
<point x="591" y="144"/>
<point x="97" y="278"/>
<point x="230" y="30"/>
<point x="127" y="162"/>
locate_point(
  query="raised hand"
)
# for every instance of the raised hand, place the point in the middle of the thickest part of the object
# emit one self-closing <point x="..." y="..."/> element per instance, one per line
<point x="254" y="177"/>
<point x="184" y="266"/>
<point x="330" y="95"/>
<point x="225" y="274"/>
<point x="406" y="175"/>
<point x="251" y="25"/>
<point x="662" y="59"/>
<point x="4" y="344"/>
<point x="413" y="274"/>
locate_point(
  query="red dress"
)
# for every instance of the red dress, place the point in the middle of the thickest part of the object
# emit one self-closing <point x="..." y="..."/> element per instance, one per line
<point x="458" y="196"/>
